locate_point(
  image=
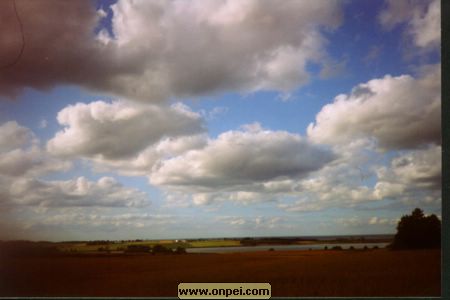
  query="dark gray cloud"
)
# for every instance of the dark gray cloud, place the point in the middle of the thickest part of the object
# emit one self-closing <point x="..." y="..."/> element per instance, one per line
<point x="165" y="49"/>
<point x="60" y="45"/>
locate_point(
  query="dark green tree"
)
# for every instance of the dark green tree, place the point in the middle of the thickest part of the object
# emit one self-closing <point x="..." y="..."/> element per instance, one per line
<point x="417" y="231"/>
<point x="180" y="250"/>
<point x="160" y="249"/>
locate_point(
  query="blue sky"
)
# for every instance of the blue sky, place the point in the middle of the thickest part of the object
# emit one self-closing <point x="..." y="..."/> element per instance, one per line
<point x="124" y="120"/>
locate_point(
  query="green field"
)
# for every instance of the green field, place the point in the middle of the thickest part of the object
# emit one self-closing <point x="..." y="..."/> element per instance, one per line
<point x="84" y="247"/>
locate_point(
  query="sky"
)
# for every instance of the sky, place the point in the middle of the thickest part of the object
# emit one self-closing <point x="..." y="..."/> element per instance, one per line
<point x="135" y="119"/>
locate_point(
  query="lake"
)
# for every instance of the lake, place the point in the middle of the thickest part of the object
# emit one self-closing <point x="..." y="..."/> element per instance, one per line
<point x="282" y="247"/>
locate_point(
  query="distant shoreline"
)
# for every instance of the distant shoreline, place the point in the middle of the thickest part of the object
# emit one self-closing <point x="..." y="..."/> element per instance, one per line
<point x="145" y="246"/>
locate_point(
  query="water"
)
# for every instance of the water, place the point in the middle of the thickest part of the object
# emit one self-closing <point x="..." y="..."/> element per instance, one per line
<point x="283" y="247"/>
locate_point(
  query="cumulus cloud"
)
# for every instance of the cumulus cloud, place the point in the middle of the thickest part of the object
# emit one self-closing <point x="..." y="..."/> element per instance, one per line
<point x="342" y="184"/>
<point x="359" y="177"/>
<point x="30" y="162"/>
<point x="43" y="123"/>
<point x="166" y="49"/>
<point x="243" y="194"/>
<point x="23" y="161"/>
<point x="423" y="20"/>
<point x="232" y="220"/>
<point x="79" y="192"/>
<point x="238" y="46"/>
<point x="246" y="166"/>
<point x="21" y="154"/>
<point x="411" y="172"/>
<point x="136" y="220"/>
<point x="243" y="157"/>
<point x="373" y="221"/>
<point x="351" y="180"/>
<point x="319" y="195"/>
<point x="259" y="222"/>
<point x="214" y="113"/>
<point x="119" y="129"/>
<point x="13" y="136"/>
<point x="142" y="163"/>
<point x="398" y="112"/>
<point x="73" y="223"/>
<point x="391" y="113"/>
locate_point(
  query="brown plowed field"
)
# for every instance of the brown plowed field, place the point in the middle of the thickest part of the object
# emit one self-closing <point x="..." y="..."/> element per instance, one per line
<point x="291" y="273"/>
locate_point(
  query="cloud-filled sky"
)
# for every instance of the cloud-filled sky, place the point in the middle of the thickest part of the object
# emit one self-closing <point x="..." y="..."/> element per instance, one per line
<point x="124" y="119"/>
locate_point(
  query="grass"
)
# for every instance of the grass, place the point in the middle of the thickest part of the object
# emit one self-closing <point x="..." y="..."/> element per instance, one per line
<point x="291" y="273"/>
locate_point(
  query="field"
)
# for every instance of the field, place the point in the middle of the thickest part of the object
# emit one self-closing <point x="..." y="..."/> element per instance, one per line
<point x="120" y="246"/>
<point x="291" y="273"/>
<point x="214" y="243"/>
<point x="83" y="247"/>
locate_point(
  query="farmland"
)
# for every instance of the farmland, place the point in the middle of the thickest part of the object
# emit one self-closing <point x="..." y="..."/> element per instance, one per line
<point x="378" y="272"/>
<point x="120" y="246"/>
<point x="214" y="243"/>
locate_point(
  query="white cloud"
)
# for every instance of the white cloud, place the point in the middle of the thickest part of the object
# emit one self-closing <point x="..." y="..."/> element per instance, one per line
<point x="373" y="221"/>
<point x="412" y="172"/>
<point x="360" y="176"/>
<point x="119" y="129"/>
<point x="245" y="157"/>
<point x="30" y="162"/>
<point x="13" y="136"/>
<point x="166" y="49"/>
<point x="391" y="113"/>
<point x="137" y="220"/>
<point x="382" y="221"/>
<point x="342" y="183"/>
<point x="43" y="123"/>
<point x="423" y="19"/>
<point x="22" y="161"/>
<point x="142" y="163"/>
<point x="350" y="222"/>
<point x="257" y="223"/>
<point x="238" y="46"/>
<point x="21" y="154"/>
<point x="214" y="113"/>
<point x="323" y="192"/>
<point x="75" y="223"/>
<point x="353" y="179"/>
<point x="398" y="112"/>
<point x="231" y="220"/>
<point x="247" y="166"/>
<point x="79" y="192"/>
